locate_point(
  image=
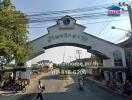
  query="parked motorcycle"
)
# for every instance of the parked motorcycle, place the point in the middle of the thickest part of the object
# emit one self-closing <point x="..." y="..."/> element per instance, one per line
<point x="18" y="87"/>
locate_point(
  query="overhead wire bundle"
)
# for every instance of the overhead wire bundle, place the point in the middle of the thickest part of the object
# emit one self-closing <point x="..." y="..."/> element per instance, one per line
<point x="94" y="12"/>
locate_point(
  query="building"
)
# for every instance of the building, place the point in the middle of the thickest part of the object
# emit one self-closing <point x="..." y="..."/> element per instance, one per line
<point x="45" y="64"/>
<point x="127" y="44"/>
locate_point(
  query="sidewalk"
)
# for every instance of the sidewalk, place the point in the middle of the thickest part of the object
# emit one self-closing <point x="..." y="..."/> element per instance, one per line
<point x="21" y="96"/>
<point x="103" y="86"/>
<point x="107" y="88"/>
<point x="33" y="82"/>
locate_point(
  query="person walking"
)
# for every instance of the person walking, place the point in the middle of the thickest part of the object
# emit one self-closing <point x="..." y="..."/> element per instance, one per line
<point x="40" y="88"/>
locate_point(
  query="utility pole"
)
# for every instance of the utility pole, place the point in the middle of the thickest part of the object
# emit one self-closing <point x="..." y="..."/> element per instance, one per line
<point x="130" y="14"/>
<point x="64" y="54"/>
<point x="78" y="52"/>
<point x="70" y="58"/>
<point x="129" y="9"/>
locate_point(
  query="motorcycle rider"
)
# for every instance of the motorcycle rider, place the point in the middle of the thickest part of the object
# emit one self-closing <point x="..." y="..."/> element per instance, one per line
<point x="81" y="83"/>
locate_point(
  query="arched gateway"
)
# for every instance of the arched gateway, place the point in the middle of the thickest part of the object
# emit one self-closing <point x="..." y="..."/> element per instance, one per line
<point x="68" y="32"/>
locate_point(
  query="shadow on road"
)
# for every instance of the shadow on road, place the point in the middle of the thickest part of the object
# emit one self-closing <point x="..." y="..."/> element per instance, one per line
<point x="49" y="96"/>
<point x="68" y="95"/>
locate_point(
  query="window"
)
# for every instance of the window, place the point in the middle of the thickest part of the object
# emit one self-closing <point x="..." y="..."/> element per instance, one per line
<point x="117" y="58"/>
<point x="128" y="58"/>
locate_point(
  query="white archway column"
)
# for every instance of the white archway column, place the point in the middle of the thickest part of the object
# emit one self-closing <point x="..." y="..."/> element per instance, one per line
<point x="123" y="75"/>
<point x="106" y="75"/>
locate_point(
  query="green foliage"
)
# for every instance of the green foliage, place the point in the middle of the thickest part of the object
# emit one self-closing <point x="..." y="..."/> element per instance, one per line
<point x="67" y="67"/>
<point x="13" y="34"/>
<point x="75" y="68"/>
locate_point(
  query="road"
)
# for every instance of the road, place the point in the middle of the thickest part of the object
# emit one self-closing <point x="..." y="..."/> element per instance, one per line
<point x="57" y="89"/>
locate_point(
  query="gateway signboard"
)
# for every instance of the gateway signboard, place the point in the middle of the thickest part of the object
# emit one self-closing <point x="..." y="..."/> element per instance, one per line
<point x="81" y="37"/>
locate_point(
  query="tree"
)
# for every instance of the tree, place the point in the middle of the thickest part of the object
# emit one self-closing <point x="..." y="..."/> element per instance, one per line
<point x="13" y="34"/>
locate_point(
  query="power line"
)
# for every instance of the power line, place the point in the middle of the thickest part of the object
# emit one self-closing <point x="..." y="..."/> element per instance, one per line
<point x="79" y="14"/>
<point x="77" y="17"/>
<point x="105" y="24"/>
<point x="92" y="8"/>
<point x="82" y="13"/>
<point x="104" y="27"/>
<point x="89" y="23"/>
<point x="106" y="21"/>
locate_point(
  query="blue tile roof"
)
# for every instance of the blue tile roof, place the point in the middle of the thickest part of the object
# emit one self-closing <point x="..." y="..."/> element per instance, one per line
<point x="113" y="7"/>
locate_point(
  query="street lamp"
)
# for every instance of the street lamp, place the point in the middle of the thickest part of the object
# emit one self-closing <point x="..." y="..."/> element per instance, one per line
<point x="70" y="58"/>
<point x="113" y="27"/>
<point x="129" y="33"/>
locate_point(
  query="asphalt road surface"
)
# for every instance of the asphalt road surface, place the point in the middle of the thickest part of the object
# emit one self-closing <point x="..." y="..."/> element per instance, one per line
<point x="57" y="89"/>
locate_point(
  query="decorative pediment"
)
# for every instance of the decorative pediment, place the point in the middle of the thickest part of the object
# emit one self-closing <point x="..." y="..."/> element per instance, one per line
<point x="66" y="22"/>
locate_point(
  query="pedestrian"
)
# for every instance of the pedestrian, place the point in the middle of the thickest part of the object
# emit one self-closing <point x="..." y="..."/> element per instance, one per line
<point x="40" y="88"/>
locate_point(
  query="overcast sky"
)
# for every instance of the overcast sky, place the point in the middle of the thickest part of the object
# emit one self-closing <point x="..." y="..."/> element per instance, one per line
<point x="102" y="30"/>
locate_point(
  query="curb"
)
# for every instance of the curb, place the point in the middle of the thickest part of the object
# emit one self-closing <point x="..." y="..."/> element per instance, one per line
<point x="101" y="85"/>
<point x="4" y="92"/>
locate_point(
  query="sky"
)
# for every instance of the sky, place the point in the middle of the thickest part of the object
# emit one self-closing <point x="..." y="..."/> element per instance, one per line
<point x="101" y="30"/>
